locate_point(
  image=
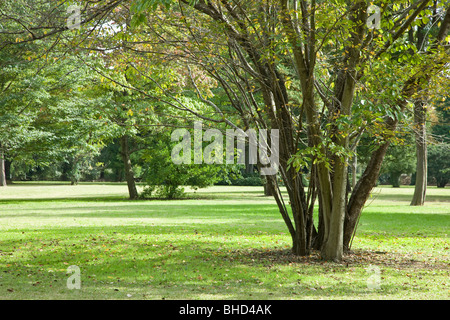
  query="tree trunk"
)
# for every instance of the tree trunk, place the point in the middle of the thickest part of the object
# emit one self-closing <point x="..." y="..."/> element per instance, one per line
<point x="2" y="170"/>
<point x="129" y="174"/>
<point x="420" y="188"/>
<point x="394" y="178"/>
<point x="75" y="171"/>
<point x="298" y="206"/>
<point x="8" y="171"/>
<point x="332" y="248"/>
<point x="267" y="189"/>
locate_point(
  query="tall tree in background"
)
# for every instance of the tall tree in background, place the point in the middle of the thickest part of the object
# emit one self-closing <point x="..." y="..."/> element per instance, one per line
<point x="50" y="116"/>
<point x="424" y="31"/>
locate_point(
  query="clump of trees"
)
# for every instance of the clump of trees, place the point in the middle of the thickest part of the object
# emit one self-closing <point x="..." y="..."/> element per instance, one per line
<point x="327" y="75"/>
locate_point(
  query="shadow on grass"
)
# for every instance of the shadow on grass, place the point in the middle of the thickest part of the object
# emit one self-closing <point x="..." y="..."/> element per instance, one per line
<point x="192" y="243"/>
<point x="142" y="209"/>
<point x="186" y="269"/>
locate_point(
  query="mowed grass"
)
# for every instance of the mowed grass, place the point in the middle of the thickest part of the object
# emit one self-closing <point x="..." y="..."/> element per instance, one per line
<point x="222" y="243"/>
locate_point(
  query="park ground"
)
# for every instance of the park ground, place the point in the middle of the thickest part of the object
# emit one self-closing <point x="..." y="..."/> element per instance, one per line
<point x="220" y="243"/>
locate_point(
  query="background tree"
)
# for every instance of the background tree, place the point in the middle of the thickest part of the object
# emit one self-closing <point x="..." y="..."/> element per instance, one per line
<point x="40" y="85"/>
<point x="48" y="113"/>
<point x="425" y="29"/>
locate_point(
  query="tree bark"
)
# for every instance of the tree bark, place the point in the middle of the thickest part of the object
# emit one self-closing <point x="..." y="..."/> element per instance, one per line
<point x="268" y="190"/>
<point x="129" y="174"/>
<point x="332" y="248"/>
<point x="420" y="187"/>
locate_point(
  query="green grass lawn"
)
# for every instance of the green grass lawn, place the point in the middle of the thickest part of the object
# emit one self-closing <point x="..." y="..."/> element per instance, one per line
<point x="227" y="243"/>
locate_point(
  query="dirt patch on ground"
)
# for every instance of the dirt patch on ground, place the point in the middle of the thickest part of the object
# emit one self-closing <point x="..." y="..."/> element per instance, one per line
<point x="353" y="258"/>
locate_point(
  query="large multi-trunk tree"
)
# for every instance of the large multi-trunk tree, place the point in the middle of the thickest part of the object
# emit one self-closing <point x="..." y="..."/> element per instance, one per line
<point x="333" y="52"/>
<point x="323" y="74"/>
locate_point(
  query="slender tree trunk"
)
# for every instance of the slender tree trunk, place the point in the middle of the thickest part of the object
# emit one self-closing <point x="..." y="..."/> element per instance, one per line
<point x="74" y="171"/>
<point x="298" y="206"/>
<point x="420" y="187"/>
<point x="8" y="171"/>
<point x="2" y="170"/>
<point x="129" y="174"/>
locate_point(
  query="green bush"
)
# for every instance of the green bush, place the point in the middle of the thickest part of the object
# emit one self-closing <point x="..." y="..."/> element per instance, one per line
<point x="165" y="179"/>
<point x="252" y="179"/>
